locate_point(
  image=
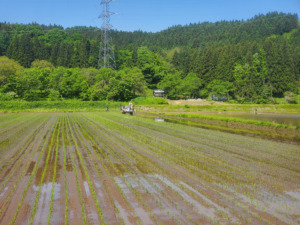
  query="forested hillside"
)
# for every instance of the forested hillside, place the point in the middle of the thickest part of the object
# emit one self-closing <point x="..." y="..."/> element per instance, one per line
<point x="250" y="61"/>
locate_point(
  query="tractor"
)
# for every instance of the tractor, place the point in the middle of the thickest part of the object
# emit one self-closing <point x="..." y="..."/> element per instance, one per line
<point x="127" y="109"/>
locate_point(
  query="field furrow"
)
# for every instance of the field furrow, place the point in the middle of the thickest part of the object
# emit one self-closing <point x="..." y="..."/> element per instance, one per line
<point x="109" y="168"/>
<point x="16" y="163"/>
<point x="23" y="188"/>
<point x="104" y="169"/>
<point x="16" y="136"/>
<point x="120" y="159"/>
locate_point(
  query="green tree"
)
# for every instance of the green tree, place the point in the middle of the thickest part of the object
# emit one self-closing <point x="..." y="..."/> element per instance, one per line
<point x="151" y="66"/>
<point x="54" y="95"/>
<point x="72" y="83"/>
<point x="90" y="75"/>
<point x="191" y="85"/>
<point x="4" y="42"/>
<point x="124" y="59"/>
<point x="241" y="79"/>
<point x="53" y="36"/>
<point x="252" y="82"/>
<point x="105" y="85"/>
<point x="42" y="64"/>
<point x="170" y="84"/>
<point x="55" y="77"/>
<point x="219" y="88"/>
<point x="132" y="83"/>
<point x="33" y="83"/>
<point x="21" y="50"/>
<point x="9" y="70"/>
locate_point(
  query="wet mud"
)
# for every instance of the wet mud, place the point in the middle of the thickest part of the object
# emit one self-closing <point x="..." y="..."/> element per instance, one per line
<point x="118" y="169"/>
<point x="280" y="134"/>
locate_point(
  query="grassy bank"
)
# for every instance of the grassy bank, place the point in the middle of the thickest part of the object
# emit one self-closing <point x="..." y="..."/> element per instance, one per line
<point x="259" y="108"/>
<point x="218" y="116"/>
<point x="145" y="104"/>
<point x="57" y="106"/>
<point x="231" y="120"/>
<point x="150" y="101"/>
<point x="269" y="130"/>
<point x="73" y="105"/>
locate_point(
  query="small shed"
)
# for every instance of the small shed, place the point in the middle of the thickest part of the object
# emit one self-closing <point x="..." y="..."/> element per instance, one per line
<point x="159" y="93"/>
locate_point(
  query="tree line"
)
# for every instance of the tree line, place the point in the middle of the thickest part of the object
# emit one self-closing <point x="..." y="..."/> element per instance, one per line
<point x="44" y="81"/>
<point x="250" y="61"/>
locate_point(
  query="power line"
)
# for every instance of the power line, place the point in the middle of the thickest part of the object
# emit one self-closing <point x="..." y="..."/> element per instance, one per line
<point x="106" y="53"/>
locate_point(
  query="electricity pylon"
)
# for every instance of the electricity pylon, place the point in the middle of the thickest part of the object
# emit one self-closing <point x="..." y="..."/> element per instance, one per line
<point x="106" y="53"/>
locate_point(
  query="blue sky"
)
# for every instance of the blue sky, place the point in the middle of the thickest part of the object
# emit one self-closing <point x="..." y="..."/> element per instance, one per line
<point x="146" y="15"/>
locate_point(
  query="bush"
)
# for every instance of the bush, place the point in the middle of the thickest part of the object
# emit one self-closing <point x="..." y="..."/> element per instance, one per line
<point x="67" y="105"/>
<point x="149" y="101"/>
<point x="54" y="95"/>
<point x="6" y="97"/>
<point x="290" y="97"/>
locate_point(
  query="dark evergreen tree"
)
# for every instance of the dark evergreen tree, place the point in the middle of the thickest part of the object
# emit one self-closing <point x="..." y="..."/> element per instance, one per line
<point x="260" y="56"/>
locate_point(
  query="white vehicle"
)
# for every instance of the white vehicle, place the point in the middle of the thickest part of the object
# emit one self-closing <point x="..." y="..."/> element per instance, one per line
<point x="127" y="109"/>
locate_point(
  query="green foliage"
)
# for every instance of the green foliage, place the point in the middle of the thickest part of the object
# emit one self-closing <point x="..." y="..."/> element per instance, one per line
<point x="132" y="83"/>
<point x="105" y="85"/>
<point x="149" y="101"/>
<point x="53" y="36"/>
<point x="241" y="76"/>
<point x="32" y="83"/>
<point x="176" y="87"/>
<point x="170" y="85"/>
<point x="122" y="85"/>
<point x="191" y="85"/>
<point x="53" y="95"/>
<point x="260" y="57"/>
<point x="151" y="65"/>
<point x="21" y="50"/>
<point x="42" y="64"/>
<point x="252" y="82"/>
<point x="198" y="35"/>
<point x="4" y="42"/>
<point x="291" y="98"/>
<point x="124" y="59"/>
<point x="66" y="105"/>
<point x="219" y="88"/>
<point x="6" y="96"/>
<point x="9" y="69"/>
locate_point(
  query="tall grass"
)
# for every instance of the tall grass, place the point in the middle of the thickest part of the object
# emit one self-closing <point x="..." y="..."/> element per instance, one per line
<point x="283" y="108"/>
<point x="229" y="119"/>
<point x="149" y="101"/>
<point x="68" y="105"/>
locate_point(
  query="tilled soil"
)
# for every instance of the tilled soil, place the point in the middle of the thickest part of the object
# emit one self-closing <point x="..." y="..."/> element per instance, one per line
<point x="109" y="168"/>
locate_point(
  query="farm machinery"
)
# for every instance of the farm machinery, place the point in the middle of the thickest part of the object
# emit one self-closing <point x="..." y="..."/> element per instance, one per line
<point x="127" y="109"/>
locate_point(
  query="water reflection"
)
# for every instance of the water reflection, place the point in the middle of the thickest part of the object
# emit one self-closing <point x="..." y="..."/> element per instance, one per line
<point x="287" y="119"/>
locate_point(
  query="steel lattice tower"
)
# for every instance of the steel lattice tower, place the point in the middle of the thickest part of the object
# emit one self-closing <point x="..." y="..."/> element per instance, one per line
<point x="106" y="53"/>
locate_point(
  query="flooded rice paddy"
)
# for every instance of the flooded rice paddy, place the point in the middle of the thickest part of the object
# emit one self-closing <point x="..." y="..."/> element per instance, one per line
<point x="290" y="119"/>
<point x="277" y="127"/>
<point x="109" y="168"/>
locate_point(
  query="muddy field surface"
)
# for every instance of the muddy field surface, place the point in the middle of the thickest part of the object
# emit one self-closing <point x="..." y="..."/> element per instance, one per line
<point x="272" y="131"/>
<point x="109" y="168"/>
